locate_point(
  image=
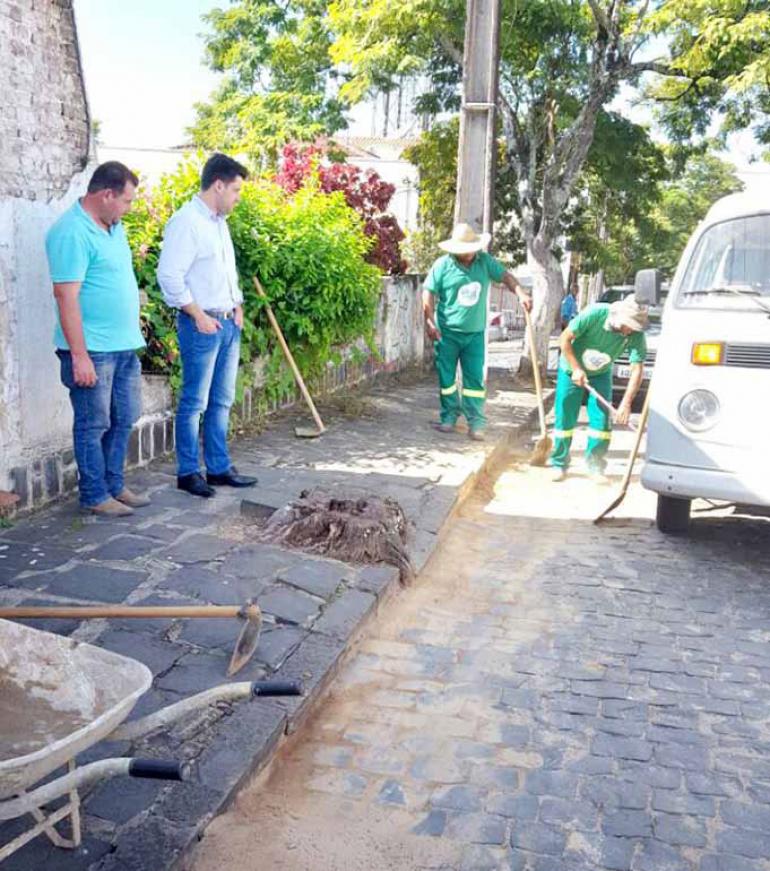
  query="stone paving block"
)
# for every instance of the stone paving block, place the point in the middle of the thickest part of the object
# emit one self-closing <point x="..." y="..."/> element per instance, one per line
<point x="551" y="783"/>
<point x="377" y="579"/>
<point x="624" y="748"/>
<point x="670" y="802"/>
<point x="627" y="824"/>
<point x="538" y="839"/>
<point x="161" y="532"/>
<point x="745" y="816"/>
<point x="480" y="858"/>
<point x="342" y="617"/>
<point x="458" y="798"/>
<point x="577" y="815"/>
<point x="17" y="557"/>
<point x="513" y="806"/>
<point x="194" y="672"/>
<point x="680" y="756"/>
<point x="617" y="853"/>
<point x="211" y="632"/>
<point x="261" y="561"/>
<point x="124" y="548"/>
<point x="711" y="862"/>
<point x="156" y="654"/>
<point x="198" y="548"/>
<point x="654" y="856"/>
<point x="289" y="605"/>
<point x="95" y="582"/>
<point x="314" y="662"/>
<point x="122" y="798"/>
<point x="244" y="743"/>
<point x="744" y="842"/>
<point x="212" y="585"/>
<point x="610" y="793"/>
<point x="680" y="831"/>
<point x="157" y="844"/>
<point x="319" y="577"/>
<point x="41" y="853"/>
<point x="476" y="828"/>
<point x="421" y="548"/>
<point x="392" y="793"/>
<point x="650" y="775"/>
<point x="276" y="644"/>
<point x="433" y="824"/>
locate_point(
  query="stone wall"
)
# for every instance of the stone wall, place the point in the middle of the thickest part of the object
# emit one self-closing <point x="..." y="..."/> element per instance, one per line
<point x="44" y="142"/>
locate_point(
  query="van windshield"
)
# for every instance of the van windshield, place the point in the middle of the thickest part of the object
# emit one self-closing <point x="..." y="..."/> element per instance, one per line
<point x="730" y="266"/>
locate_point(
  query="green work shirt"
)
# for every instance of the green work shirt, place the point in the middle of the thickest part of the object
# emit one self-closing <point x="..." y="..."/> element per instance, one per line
<point x="596" y="346"/>
<point x="461" y="291"/>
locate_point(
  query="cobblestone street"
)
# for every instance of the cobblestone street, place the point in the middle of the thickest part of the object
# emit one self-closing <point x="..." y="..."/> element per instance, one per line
<point x="550" y="696"/>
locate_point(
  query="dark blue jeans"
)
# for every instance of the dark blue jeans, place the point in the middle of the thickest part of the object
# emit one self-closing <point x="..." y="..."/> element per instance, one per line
<point x="209" y="371"/>
<point x="104" y="415"/>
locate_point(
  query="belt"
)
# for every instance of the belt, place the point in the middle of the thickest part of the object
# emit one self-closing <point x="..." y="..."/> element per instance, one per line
<point x="221" y="315"/>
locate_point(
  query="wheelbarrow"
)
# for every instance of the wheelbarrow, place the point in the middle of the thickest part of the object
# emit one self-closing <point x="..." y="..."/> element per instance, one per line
<point x="59" y="697"/>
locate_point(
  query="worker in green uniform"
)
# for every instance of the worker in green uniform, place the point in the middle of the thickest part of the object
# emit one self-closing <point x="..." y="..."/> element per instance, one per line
<point x="590" y="344"/>
<point x="455" y="302"/>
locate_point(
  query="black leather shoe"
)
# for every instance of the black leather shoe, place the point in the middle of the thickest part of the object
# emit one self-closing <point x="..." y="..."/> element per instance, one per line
<point x="195" y="485"/>
<point x="231" y="479"/>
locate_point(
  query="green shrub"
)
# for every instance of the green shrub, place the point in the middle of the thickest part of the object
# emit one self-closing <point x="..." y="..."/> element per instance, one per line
<point x="308" y="252"/>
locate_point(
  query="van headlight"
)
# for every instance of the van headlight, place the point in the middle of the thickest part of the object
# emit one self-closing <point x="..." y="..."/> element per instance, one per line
<point x="699" y="410"/>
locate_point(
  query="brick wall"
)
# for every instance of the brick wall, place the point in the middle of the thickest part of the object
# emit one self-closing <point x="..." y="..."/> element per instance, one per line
<point x="44" y="123"/>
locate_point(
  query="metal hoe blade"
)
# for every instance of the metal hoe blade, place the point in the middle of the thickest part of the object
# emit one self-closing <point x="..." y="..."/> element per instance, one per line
<point x="248" y="639"/>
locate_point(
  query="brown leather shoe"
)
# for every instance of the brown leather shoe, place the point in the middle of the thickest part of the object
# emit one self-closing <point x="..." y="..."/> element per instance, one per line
<point x="110" y="508"/>
<point x="133" y="500"/>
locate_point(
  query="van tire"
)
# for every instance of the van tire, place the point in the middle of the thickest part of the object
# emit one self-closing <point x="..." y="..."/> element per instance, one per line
<point x="673" y="515"/>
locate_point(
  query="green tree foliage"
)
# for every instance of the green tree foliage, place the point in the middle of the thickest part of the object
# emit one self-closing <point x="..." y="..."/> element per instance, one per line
<point x="720" y="52"/>
<point x="279" y="83"/>
<point x="307" y="250"/>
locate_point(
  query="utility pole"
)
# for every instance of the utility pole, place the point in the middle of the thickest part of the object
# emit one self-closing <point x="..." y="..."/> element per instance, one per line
<point x="477" y="150"/>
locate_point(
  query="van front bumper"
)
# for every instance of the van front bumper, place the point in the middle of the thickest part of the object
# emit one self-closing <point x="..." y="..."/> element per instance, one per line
<point x="690" y="483"/>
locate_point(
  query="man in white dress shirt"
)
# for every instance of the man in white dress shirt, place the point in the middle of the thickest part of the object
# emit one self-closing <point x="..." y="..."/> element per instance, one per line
<point x="197" y="275"/>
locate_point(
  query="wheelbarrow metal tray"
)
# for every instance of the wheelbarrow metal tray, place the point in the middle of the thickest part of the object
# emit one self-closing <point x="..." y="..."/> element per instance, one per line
<point x="57" y="698"/>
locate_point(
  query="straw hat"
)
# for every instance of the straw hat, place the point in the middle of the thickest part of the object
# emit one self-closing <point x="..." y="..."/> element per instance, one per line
<point x="627" y="312"/>
<point x="465" y="240"/>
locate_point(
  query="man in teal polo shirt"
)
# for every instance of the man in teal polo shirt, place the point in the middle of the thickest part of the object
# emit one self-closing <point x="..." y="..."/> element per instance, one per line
<point x="455" y="303"/>
<point x="589" y="346"/>
<point x="97" y="335"/>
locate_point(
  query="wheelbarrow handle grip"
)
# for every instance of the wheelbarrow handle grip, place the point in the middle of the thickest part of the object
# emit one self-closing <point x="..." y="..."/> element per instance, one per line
<point x="159" y="769"/>
<point x="276" y="688"/>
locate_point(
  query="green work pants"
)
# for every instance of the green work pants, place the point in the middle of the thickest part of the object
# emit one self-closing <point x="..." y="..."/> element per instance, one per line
<point x="569" y="398"/>
<point x="470" y="350"/>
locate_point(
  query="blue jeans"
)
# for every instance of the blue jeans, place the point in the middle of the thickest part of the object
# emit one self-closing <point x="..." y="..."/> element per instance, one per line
<point x="209" y="371"/>
<point x="104" y="415"/>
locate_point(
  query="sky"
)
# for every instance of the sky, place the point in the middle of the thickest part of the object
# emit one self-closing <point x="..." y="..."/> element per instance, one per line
<point x="144" y="70"/>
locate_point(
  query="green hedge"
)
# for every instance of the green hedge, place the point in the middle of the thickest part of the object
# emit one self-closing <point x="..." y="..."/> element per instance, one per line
<point x="308" y="252"/>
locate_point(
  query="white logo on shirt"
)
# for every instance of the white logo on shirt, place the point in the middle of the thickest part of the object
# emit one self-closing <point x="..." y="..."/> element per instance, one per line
<point x="594" y="360"/>
<point x="469" y="294"/>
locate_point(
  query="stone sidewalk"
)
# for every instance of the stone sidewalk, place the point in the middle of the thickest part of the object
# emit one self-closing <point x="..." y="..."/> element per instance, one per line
<point x="183" y="550"/>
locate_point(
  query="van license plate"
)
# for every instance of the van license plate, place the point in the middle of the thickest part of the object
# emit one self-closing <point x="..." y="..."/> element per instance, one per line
<point x="625" y="372"/>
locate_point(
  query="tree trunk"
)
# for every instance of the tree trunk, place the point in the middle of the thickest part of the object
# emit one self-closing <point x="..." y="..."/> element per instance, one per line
<point x="547" y="294"/>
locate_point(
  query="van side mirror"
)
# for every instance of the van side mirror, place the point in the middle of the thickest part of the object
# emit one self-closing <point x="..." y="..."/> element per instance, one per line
<point x="647" y="286"/>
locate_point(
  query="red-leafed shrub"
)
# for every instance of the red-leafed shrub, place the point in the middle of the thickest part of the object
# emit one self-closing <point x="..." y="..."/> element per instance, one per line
<point x="363" y="190"/>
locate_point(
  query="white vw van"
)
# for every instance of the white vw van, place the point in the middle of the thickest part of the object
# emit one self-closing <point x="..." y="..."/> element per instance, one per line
<point x="710" y="399"/>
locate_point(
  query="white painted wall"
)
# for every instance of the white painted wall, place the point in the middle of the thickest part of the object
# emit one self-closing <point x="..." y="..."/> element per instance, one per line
<point x="35" y="413"/>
